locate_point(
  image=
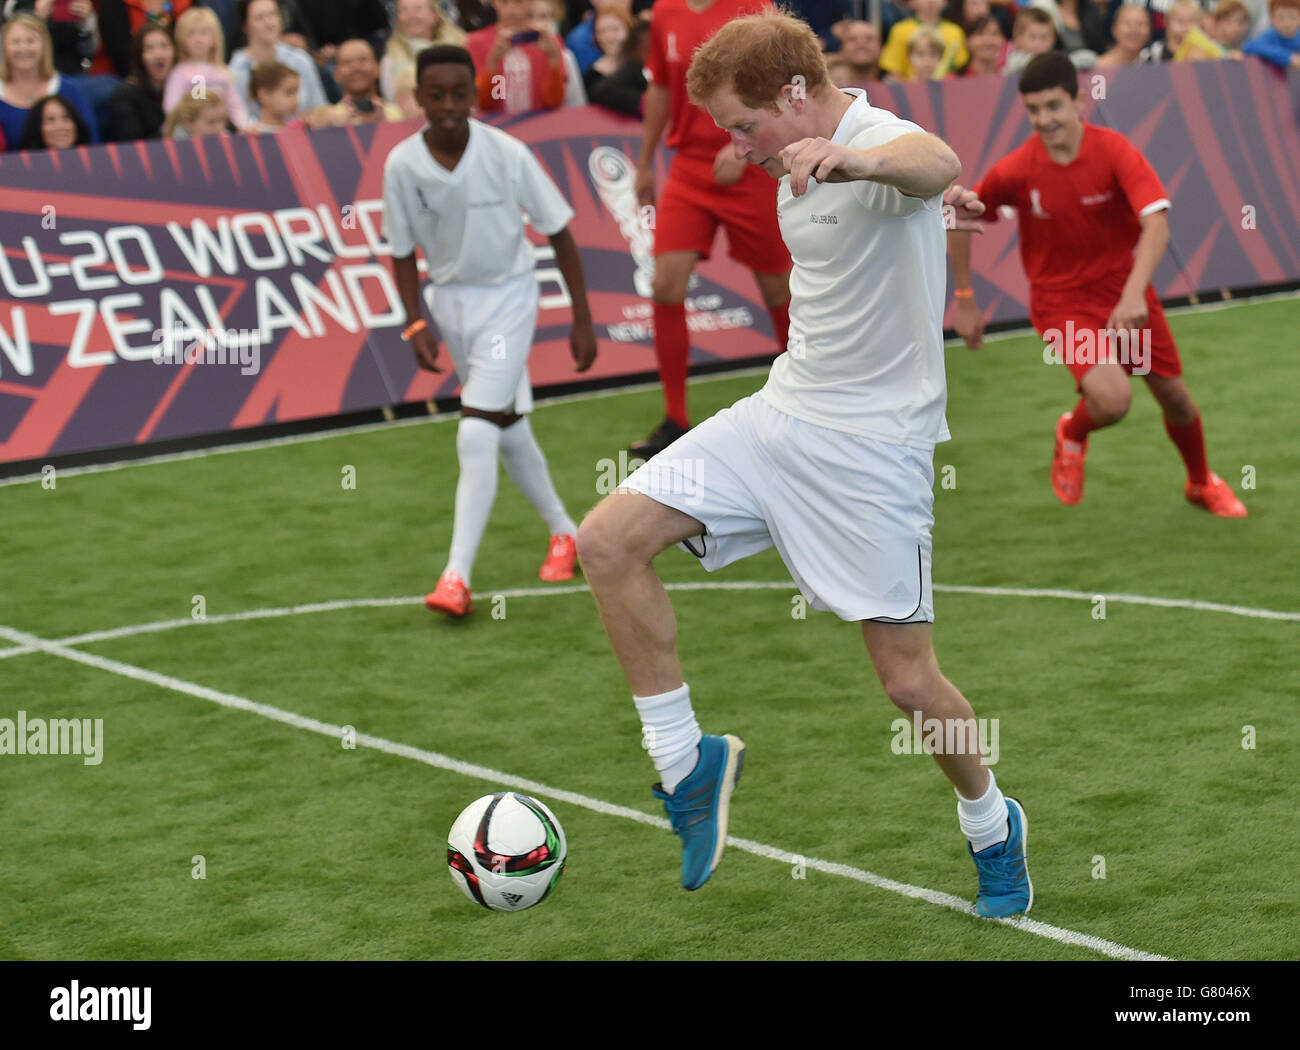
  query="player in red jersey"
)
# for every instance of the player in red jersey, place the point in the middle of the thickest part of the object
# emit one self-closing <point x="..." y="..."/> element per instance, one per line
<point x="1093" y="228"/>
<point x="707" y="186"/>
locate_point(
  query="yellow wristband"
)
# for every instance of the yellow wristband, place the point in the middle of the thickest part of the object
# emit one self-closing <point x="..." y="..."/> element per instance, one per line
<point x="964" y="293"/>
<point x="411" y="329"/>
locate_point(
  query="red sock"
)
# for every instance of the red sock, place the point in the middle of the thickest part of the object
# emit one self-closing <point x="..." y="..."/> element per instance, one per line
<point x="672" y="349"/>
<point x="781" y="325"/>
<point x="1190" y="441"/>
<point x="1080" y="424"/>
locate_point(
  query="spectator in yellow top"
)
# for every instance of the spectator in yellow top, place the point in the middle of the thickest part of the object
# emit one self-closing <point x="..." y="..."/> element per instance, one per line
<point x="894" y="58"/>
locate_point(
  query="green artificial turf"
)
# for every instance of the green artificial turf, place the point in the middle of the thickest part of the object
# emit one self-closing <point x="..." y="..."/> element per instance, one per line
<point x="1122" y="736"/>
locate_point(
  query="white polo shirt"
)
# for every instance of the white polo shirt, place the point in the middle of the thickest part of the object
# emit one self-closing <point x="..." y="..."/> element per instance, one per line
<point x="866" y="300"/>
<point x="468" y="221"/>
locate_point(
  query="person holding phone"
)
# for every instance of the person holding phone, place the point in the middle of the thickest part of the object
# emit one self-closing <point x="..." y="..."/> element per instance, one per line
<point x="520" y="67"/>
<point x="357" y="71"/>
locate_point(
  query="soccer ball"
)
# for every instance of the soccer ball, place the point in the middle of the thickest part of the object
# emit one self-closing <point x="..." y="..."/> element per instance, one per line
<point x="506" y="851"/>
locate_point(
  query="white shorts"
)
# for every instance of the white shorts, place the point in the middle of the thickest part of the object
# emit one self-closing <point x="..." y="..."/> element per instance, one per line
<point x="850" y="516"/>
<point x="488" y="330"/>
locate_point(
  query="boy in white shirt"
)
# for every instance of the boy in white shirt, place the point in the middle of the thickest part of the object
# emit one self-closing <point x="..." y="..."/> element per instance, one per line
<point x="456" y="189"/>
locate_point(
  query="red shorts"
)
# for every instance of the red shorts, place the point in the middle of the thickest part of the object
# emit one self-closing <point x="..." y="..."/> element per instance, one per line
<point x="691" y="206"/>
<point x="1074" y="321"/>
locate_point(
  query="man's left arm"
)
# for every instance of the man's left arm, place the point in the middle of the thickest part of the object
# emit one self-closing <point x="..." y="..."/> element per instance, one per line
<point x="916" y="164"/>
<point x="1147" y="196"/>
<point x="1131" y="310"/>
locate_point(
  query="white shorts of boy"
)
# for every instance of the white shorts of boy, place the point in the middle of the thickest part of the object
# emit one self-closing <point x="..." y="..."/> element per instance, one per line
<point x="849" y="515"/>
<point x="488" y="330"/>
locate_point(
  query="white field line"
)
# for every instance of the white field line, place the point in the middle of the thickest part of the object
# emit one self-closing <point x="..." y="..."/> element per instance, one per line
<point x="703" y="585"/>
<point x="532" y="787"/>
<point x="443" y="417"/>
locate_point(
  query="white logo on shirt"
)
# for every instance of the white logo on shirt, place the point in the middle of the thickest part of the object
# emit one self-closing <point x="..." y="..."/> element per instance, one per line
<point x="1036" y="204"/>
<point x="1097" y="198"/>
<point x="673" y="56"/>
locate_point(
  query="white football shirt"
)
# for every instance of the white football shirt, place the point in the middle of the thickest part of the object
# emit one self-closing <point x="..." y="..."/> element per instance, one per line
<point x="866" y="300"/>
<point x="467" y="221"/>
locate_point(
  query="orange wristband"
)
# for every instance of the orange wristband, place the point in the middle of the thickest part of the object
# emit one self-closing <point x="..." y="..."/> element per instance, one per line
<point x="964" y="293"/>
<point x="411" y="329"/>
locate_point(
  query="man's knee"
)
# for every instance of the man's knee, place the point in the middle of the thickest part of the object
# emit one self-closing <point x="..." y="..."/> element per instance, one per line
<point x="1109" y="402"/>
<point x="910" y="687"/>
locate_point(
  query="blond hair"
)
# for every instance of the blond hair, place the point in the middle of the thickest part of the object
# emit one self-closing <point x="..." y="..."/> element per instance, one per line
<point x="755" y="57"/>
<point x="45" y="68"/>
<point x="445" y="31"/>
<point x="187" y="23"/>
<point x="187" y="110"/>
<point x="929" y="38"/>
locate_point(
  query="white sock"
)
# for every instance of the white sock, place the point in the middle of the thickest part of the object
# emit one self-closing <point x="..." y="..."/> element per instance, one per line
<point x="670" y="733"/>
<point x="526" y="466"/>
<point x="984" y="820"/>
<point x="477" y="441"/>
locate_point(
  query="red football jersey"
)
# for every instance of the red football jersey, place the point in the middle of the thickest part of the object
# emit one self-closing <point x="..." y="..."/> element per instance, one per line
<point x="1079" y="222"/>
<point x="676" y="32"/>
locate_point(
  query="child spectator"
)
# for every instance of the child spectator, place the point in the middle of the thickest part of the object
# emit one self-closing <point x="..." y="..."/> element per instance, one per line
<point x="624" y="90"/>
<point x="1032" y="33"/>
<point x="264" y="31"/>
<point x="201" y="65"/>
<point x="1229" y="25"/>
<point x="1132" y="29"/>
<point x="1080" y="27"/>
<point x="1182" y="17"/>
<point x="273" y="87"/>
<point x="582" y="37"/>
<point x="926" y="14"/>
<point x="925" y="53"/>
<point x="137" y="102"/>
<point x="519" y="69"/>
<point x="27" y="74"/>
<point x="988" y="47"/>
<point x="53" y="124"/>
<point x="1280" y="43"/>
<point x="420" y="24"/>
<point x="611" y="24"/>
<point x="197" y="116"/>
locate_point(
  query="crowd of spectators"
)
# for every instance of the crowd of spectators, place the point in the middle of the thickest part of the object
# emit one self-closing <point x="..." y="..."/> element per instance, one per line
<point x="83" y="71"/>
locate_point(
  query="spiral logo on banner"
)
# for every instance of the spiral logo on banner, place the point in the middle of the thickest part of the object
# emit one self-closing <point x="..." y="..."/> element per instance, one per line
<point x="614" y="174"/>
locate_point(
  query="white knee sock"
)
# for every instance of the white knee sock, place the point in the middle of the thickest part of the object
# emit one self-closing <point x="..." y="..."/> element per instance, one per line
<point x="670" y="733"/>
<point x="526" y="466"/>
<point x="477" y="441"/>
<point x="984" y="820"/>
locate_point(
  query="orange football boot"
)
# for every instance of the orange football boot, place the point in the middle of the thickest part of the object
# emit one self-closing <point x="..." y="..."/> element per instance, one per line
<point x="1067" y="465"/>
<point x="560" y="559"/>
<point x="451" y="596"/>
<point x="1217" y="497"/>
